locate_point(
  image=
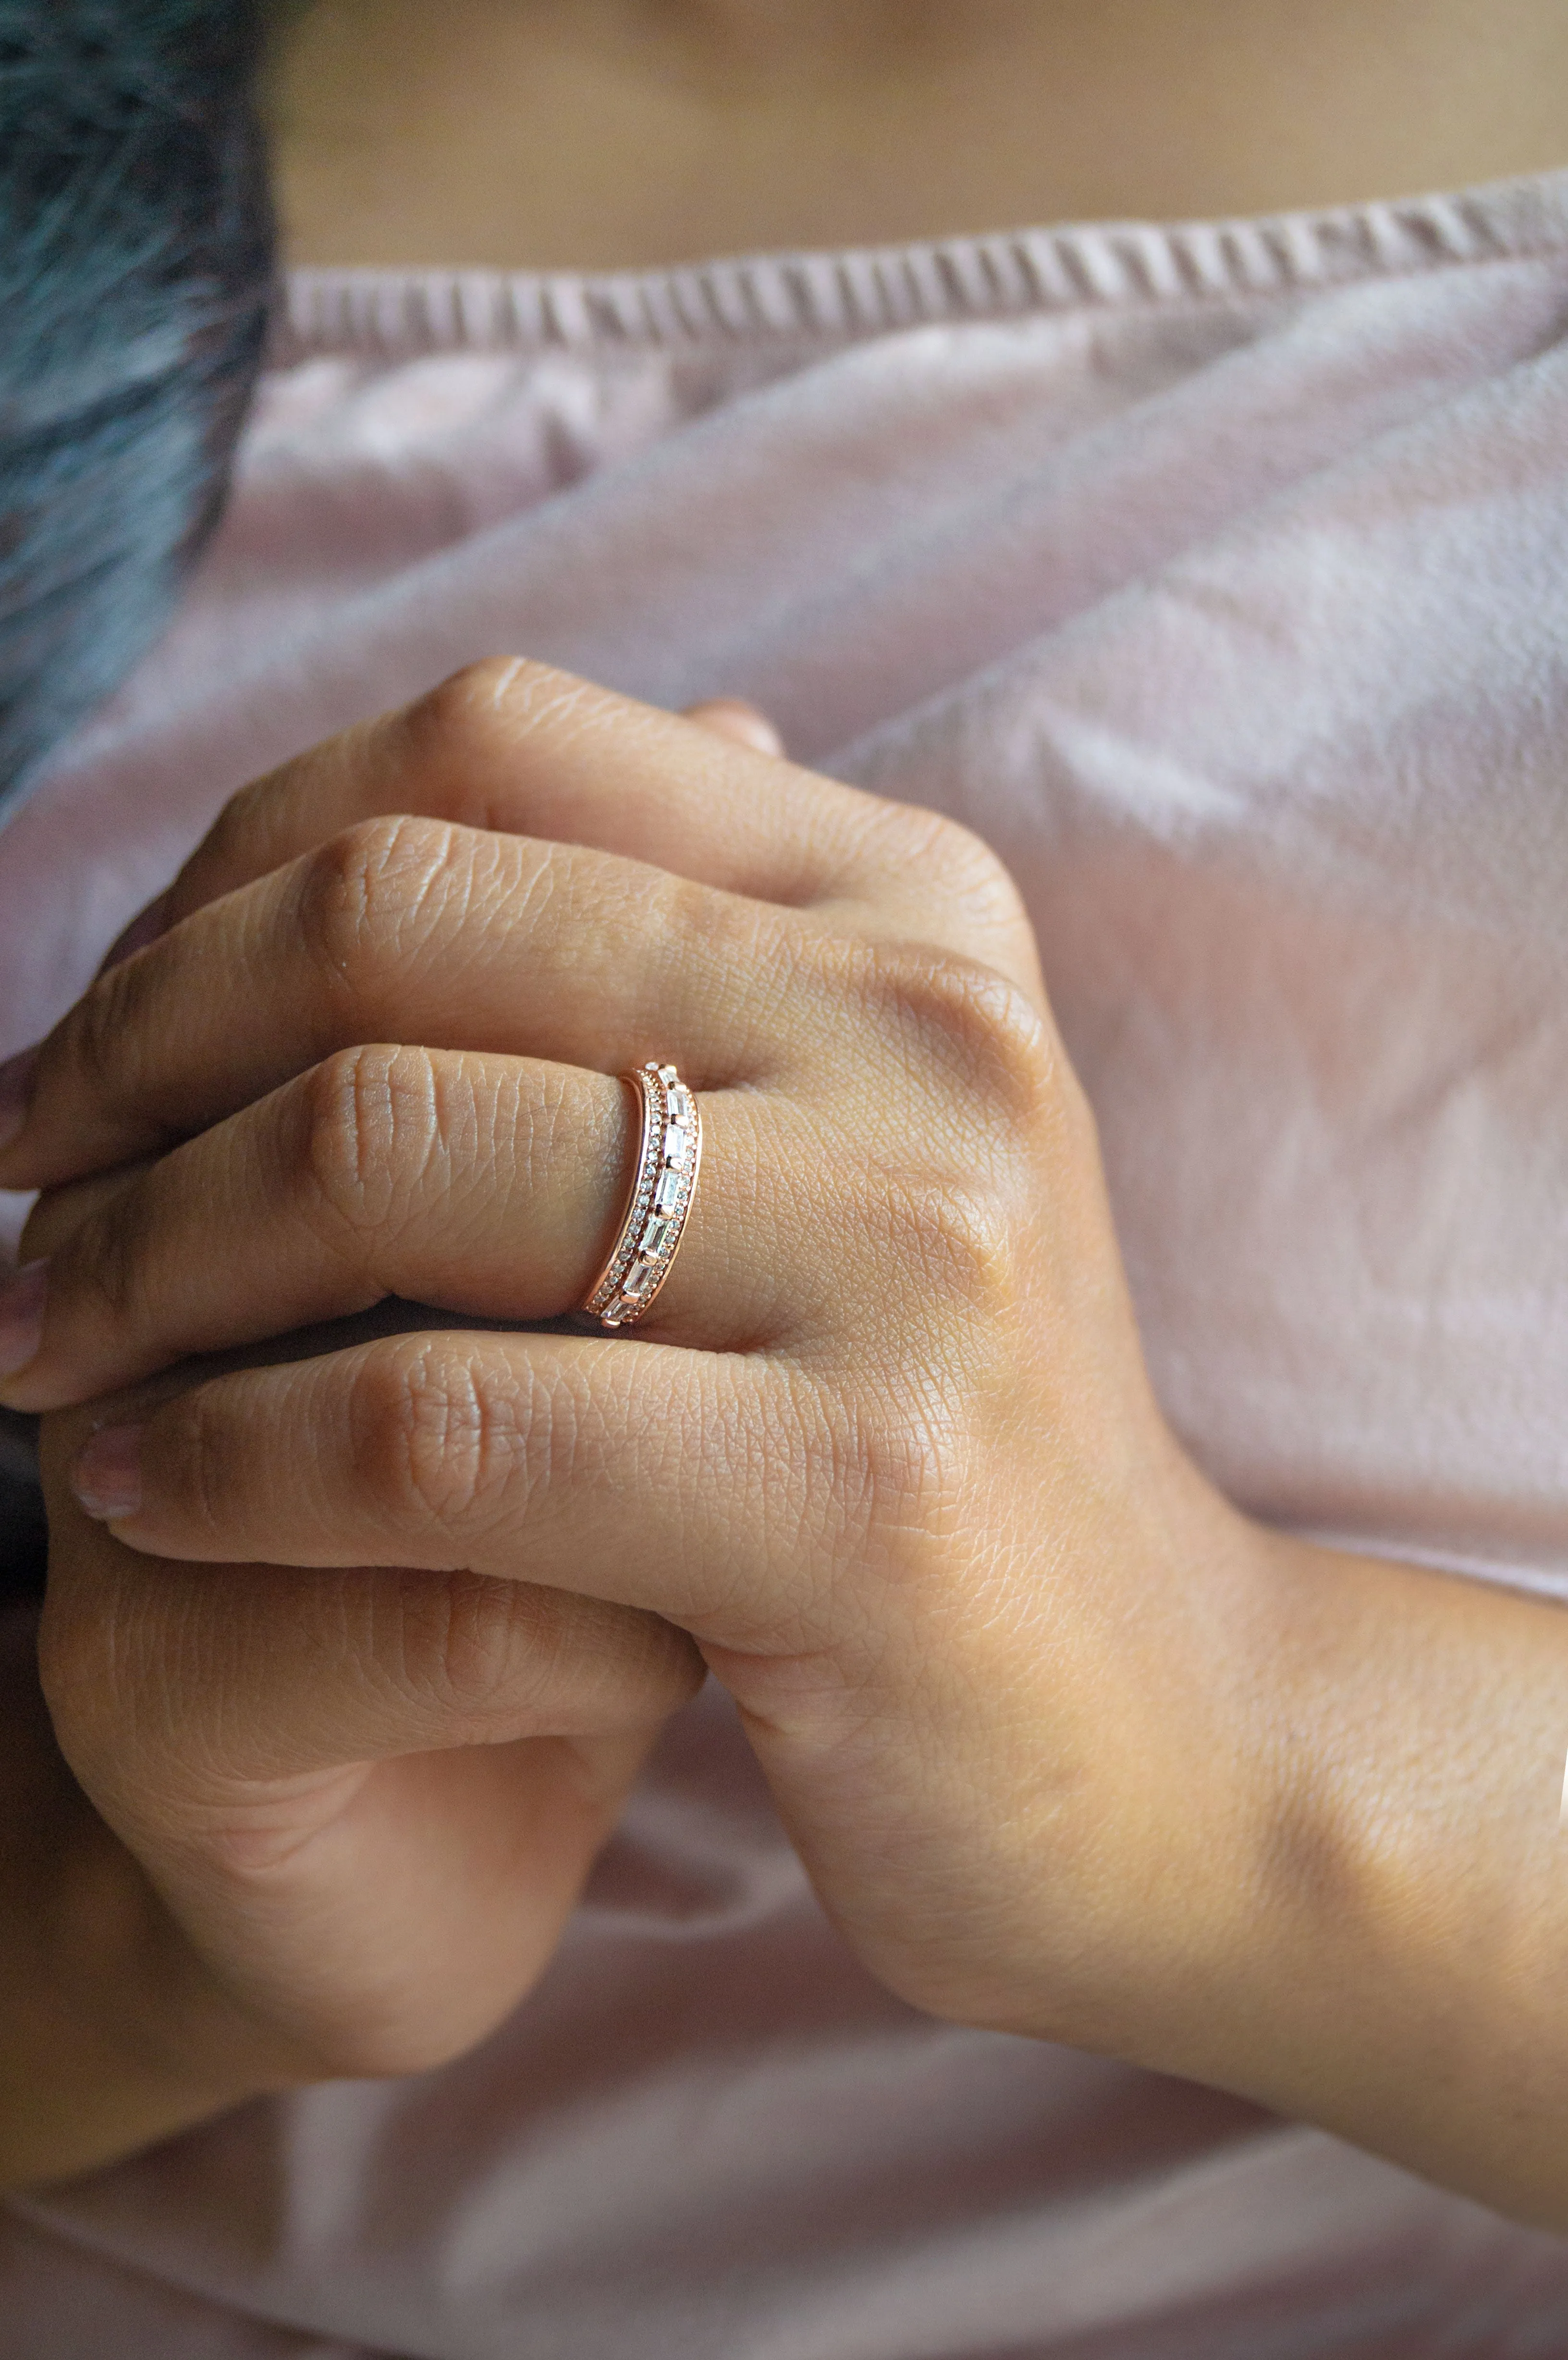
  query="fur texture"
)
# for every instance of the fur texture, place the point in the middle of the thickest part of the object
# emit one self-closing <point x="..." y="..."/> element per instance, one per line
<point x="136" y="257"/>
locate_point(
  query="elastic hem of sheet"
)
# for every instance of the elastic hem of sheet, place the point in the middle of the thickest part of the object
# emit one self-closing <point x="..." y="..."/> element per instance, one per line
<point x="801" y="299"/>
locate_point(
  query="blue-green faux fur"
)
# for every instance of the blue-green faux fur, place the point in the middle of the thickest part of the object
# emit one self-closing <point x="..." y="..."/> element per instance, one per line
<point x="136" y="271"/>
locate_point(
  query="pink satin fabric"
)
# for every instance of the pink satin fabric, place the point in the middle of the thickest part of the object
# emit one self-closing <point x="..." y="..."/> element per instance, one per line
<point x="1220" y="577"/>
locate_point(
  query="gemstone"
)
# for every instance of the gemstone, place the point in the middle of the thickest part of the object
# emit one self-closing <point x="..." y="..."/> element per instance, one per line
<point x="658" y="1237"/>
<point x="681" y="1107"/>
<point x="677" y="1147"/>
<point x="667" y="1195"/>
<point x="639" y="1278"/>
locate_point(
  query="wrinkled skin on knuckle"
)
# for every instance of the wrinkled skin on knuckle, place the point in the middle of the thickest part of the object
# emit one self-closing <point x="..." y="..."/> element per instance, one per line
<point x="503" y="1659"/>
<point x="737" y="938"/>
<point x="963" y="877"/>
<point x="960" y="1246"/>
<point x="962" y="1150"/>
<point x="467" y="737"/>
<point x="468" y="721"/>
<point x="962" y="862"/>
<point x="435" y="1442"/>
<point x="454" y="730"/>
<point x="449" y="1643"/>
<point x="106" y="1262"/>
<point x="477" y="1653"/>
<point x="367" y="1133"/>
<point x="368" y="899"/>
<point x="906" y="1460"/>
<point x="877" y="1507"/>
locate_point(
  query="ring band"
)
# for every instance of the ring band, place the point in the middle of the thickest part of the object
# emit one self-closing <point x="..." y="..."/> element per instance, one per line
<point x="663" y="1188"/>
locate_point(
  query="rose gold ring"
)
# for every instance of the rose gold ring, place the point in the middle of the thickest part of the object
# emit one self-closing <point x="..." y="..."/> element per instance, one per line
<point x="663" y="1188"/>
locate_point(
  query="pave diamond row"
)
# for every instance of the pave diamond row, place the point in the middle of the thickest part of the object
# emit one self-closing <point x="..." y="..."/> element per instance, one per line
<point x="668" y="1153"/>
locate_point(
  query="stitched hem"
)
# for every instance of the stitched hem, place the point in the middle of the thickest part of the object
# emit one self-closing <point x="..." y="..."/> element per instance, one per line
<point x="772" y="300"/>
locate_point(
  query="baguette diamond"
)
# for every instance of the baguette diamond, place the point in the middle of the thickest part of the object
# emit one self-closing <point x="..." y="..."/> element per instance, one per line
<point x="659" y="1202"/>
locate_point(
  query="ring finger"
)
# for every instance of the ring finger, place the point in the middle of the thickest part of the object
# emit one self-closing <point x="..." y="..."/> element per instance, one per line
<point x="485" y="1186"/>
<point x="404" y="930"/>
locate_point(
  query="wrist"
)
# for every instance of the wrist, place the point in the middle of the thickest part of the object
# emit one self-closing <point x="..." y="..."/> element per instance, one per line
<point x="1157" y="1873"/>
<point x="1349" y="1901"/>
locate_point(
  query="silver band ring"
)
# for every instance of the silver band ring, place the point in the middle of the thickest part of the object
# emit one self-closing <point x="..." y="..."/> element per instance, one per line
<point x="663" y="1189"/>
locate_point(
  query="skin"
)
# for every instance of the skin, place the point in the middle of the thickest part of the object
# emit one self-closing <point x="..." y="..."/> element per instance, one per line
<point x="608" y="133"/>
<point x="352" y="1653"/>
<point x="341" y="1695"/>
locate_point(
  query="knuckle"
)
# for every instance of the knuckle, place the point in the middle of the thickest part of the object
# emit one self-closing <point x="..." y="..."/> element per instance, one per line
<point x="678" y="916"/>
<point x="960" y="1241"/>
<point x="961" y="864"/>
<point x="369" y="1130"/>
<point x="902" y="1473"/>
<point x="980" y="1032"/>
<point x="482" y="1673"/>
<point x="434" y="1436"/>
<point x="468" y="720"/>
<point x="368" y="897"/>
<point x="106" y="1262"/>
<point x="747" y="953"/>
<point x="489" y="1656"/>
<point x="976" y="878"/>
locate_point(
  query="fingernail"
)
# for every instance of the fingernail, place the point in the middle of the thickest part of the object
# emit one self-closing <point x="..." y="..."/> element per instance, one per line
<point x="107" y="1477"/>
<point x="742" y="723"/>
<point x="22" y="1316"/>
<point x="16" y="1093"/>
<point x="144" y="928"/>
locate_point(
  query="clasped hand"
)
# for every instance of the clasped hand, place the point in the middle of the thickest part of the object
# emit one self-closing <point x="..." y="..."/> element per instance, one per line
<point x="355" y="1653"/>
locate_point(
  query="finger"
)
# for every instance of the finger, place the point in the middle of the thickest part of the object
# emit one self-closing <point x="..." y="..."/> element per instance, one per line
<point x="405" y="930"/>
<point x="370" y="1797"/>
<point x="144" y="928"/>
<point x="53" y="1219"/>
<point x="377" y="905"/>
<point x="641" y="1474"/>
<point x="729" y="717"/>
<point x="523" y="750"/>
<point x="485" y="1186"/>
<point x="282" y="1672"/>
<point x="56" y="1217"/>
<point x="58" y="1212"/>
<point x="742" y="723"/>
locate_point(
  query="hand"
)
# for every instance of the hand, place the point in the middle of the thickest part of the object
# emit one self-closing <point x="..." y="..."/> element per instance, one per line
<point x="340" y="1821"/>
<point x="1068" y="1746"/>
<point x="900" y="1280"/>
<point x="356" y="1810"/>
